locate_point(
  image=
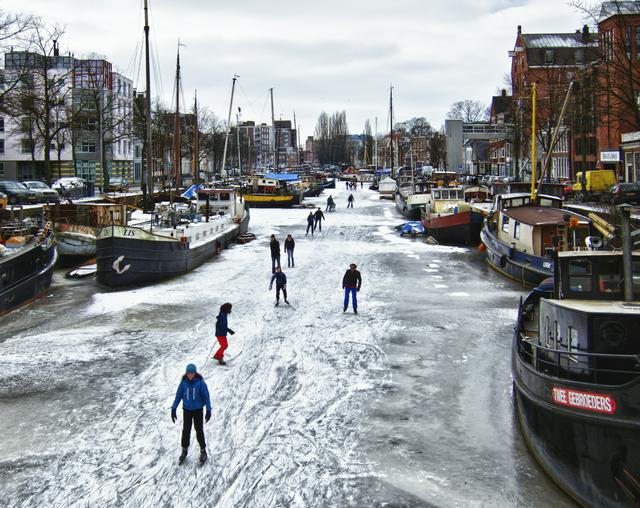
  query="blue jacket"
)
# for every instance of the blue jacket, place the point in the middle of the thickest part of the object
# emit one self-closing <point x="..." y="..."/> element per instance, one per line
<point x="280" y="278"/>
<point x="222" y="327"/>
<point x="193" y="394"/>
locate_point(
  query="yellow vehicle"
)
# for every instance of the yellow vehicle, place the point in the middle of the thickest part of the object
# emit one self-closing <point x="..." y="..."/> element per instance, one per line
<point x="3" y="201"/>
<point x="597" y="182"/>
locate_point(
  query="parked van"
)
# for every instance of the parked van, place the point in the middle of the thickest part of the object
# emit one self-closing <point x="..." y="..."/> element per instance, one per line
<point x="597" y="182"/>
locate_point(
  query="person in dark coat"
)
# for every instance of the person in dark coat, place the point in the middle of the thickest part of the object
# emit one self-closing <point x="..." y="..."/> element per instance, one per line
<point x="318" y="216"/>
<point x="222" y="329"/>
<point x="281" y="285"/>
<point x="310" y="226"/>
<point x="194" y="395"/>
<point x="289" y="245"/>
<point x="329" y="201"/>
<point x="351" y="283"/>
<point x="350" y="201"/>
<point x="275" y="253"/>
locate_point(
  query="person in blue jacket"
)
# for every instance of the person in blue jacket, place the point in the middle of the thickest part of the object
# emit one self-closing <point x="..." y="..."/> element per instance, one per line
<point x="281" y="285"/>
<point x="194" y="394"/>
<point x="222" y="329"/>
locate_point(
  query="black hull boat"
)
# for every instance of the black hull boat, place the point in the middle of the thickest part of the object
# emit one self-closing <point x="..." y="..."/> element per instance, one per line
<point x="26" y="273"/>
<point x="130" y="256"/>
<point x="577" y="379"/>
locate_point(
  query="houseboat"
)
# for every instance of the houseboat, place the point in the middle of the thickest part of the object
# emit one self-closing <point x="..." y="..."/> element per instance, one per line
<point x="174" y="240"/>
<point x="263" y="191"/>
<point x="577" y="376"/>
<point x="76" y="225"/>
<point x="27" y="256"/>
<point x="519" y="235"/>
<point x="387" y="187"/>
<point x="451" y="219"/>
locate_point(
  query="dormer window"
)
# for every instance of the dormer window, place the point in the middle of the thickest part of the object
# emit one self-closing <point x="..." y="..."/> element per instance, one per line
<point x="548" y="57"/>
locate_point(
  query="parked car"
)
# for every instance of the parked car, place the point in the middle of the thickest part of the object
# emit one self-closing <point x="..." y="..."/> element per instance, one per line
<point x="69" y="182"/>
<point x="117" y="184"/>
<point x="44" y="193"/>
<point x="623" y="193"/>
<point x="17" y="193"/>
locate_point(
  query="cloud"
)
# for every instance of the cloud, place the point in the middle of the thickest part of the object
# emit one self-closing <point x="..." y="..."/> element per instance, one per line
<point x="330" y="55"/>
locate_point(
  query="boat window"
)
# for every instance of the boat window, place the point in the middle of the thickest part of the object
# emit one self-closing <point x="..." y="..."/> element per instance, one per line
<point x="547" y="333"/>
<point x="573" y="342"/>
<point x="436" y="194"/>
<point x="505" y="223"/>
<point x="517" y="202"/>
<point x="445" y="194"/>
<point x="516" y="230"/>
<point x="609" y="276"/>
<point x="547" y="202"/>
<point x="580" y="275"/>
<point x="557" y="337"/>
<point x="224" y="197"/>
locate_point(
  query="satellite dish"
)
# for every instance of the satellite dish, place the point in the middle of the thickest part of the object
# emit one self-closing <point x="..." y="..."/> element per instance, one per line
<point x="593" y="242"/>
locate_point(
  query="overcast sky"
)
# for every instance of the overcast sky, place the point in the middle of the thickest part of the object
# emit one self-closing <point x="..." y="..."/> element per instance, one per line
<point x="322" y="55"/>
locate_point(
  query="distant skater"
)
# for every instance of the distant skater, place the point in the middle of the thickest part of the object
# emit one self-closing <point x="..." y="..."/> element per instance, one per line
<point x="281" y="285"/>
<point x="347" y="183"/>
<point x="318" y="216"/>
<point x="289" y="245"/>
<point x="329" y="201"/>
<point x="274" y="245"/>
<point x="222" y="329"/>
<point x="350" y="201"/>
<point x="310" y="226"/>
<point x="194" y="395"/>
<point x="351" y="283"/>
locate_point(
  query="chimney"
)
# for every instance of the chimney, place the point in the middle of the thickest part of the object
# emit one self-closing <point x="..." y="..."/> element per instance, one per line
<point x="519" y="29"/>
<point x="585" y="33"/>
<point x="56" y="50"/>
<point x="504" y="92"/>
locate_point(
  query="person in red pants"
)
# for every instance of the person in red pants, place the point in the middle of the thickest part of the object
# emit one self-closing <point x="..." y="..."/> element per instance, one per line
<point x="222" y="328"/>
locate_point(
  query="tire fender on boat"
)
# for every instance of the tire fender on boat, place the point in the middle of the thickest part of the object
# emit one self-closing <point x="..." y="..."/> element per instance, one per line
<point x="503" y="261"/>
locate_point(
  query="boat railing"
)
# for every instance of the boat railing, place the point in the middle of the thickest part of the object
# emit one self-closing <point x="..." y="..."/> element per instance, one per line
<point x="597" y="368"/>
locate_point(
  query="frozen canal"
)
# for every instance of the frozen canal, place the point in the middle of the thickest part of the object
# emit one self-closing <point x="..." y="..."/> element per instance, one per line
<point x="407" y="403"/>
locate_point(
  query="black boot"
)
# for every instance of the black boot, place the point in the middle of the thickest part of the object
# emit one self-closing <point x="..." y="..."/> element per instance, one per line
<point x="203" y="455"/>
<point x="221" y="362"/>
<point x="344" y="310"/>
<point x="183" y="455"/>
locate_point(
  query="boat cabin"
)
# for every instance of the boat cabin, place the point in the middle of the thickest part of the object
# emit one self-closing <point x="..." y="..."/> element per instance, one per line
<point x="260" y="184"/>
<point x="447" y="200"/>
<point x="589" y="333"/>
<point x="217" y="202"/>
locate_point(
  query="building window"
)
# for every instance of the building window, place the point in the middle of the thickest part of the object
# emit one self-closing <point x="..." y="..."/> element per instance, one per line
<point x="1" y="145"/>
<point x="26" y="146"/>
<point x="627" y="41"/>
<point x="88" y="147"/>
<point x="1" y="124"/>
<point x="86" y="169"/>
<point x="638" y="42"/>
<point x="579" y="56"/>
<point x="548" y="57"/>
<point x="1" y="168"/>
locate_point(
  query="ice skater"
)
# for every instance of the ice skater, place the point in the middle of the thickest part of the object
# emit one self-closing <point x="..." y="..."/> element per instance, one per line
<point x="350" y="200"/>
<point x="222" y="329"/>
<point x="351" y="283"/>
<point x="194" y="394"/>
<point x="310" y="226"/>
<point x="274" y="245"/>
<point x="289" y="245"/>
<point x="281" y="285"/>
<point x="318" y="216"/>
<point x="329" y="201"/>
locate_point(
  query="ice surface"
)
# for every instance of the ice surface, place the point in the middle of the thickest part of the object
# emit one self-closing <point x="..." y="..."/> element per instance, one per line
<point x="406" y="404"/>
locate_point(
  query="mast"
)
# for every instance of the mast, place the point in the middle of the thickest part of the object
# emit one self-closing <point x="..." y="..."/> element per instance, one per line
<point x="391" y="126"/>
<point x="176" y="126"/>
<point x="275" y="137"/>
<point x="226" y="139"/>
<point x="238" y="140"/>
<point x="533" y="143"/>
<point x="196" y="149"/>
<point x="375" y="140"/>
<point x="147" y="177"/>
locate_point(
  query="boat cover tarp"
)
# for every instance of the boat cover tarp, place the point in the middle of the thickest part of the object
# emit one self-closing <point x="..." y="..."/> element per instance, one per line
<point x="191" y="191"/>
<point x="413" y="228"/>
<point x="287" y="177"/>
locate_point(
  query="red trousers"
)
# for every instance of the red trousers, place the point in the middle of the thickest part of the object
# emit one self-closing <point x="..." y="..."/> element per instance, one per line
<point x="222" y="340"/>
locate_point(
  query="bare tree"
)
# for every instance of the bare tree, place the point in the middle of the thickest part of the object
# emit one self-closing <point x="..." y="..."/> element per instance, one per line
<point x="468" y="111"/>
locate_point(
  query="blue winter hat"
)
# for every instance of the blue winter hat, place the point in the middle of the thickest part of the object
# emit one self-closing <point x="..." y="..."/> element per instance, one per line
<point x="191" y="369"/>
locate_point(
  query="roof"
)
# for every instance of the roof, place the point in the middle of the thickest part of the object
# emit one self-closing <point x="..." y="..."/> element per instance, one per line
<point x="501" y="104"/>
<point x="287" y="177"/>
<point x="610" y="9"/>
<point x="599" y="306"/>
<point x="541" y="215"/>
<point x="594" y="253"/>
<point x="552" y="41"/>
